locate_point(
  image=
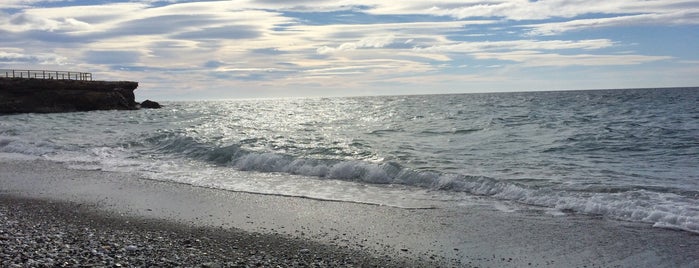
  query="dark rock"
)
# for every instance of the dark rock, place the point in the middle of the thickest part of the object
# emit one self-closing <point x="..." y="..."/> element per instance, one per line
<point x="25" y="95"/>
<point x="150" y="104"/>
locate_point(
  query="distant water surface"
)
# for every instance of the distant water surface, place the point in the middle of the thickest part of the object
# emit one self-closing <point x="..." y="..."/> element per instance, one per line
<point x="624" y="154"/>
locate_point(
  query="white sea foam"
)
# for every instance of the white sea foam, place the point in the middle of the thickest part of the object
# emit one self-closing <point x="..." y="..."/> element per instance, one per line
<point x="580" y="153"/>
<point x="358" y="181"/>
<point x="19" y="146"/>
<point x="661" y="209"/>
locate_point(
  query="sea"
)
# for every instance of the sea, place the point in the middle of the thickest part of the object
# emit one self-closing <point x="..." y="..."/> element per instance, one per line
<point x="625" y="155"/>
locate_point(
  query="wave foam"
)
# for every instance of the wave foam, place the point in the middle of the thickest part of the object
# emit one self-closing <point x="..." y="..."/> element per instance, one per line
<point x="661" y="209"/>
<point x="14" y="145"/>
<point x="667" y="210"/>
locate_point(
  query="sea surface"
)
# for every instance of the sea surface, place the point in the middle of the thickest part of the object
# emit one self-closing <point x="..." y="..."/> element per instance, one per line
<point x="629" y="155"/>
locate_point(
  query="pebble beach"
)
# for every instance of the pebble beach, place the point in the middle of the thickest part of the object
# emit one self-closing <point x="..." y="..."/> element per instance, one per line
<point x="40" y="233"/>
<point x="52" y="216"/>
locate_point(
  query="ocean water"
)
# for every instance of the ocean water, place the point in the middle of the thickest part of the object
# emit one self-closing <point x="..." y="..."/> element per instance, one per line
<point x="630" y="155"/>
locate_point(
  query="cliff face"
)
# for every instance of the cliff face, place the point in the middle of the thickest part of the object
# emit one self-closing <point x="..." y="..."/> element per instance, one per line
<point x="23" y="95"/>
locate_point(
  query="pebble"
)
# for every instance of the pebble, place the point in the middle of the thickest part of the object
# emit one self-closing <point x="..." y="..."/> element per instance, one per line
<point x="35" y="233"/>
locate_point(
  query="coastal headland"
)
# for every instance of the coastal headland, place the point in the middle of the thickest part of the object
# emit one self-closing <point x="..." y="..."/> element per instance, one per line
<point x="32" y="95"/>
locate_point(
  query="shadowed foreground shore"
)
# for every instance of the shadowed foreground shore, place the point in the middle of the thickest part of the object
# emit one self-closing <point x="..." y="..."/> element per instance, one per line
<point x="41" y="233"/>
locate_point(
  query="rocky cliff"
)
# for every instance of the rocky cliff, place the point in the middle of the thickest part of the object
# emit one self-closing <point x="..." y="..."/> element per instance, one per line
<point x="24" y="95"/>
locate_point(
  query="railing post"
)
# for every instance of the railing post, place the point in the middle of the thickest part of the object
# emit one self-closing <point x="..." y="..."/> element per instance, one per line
<point x="46" y="74"/>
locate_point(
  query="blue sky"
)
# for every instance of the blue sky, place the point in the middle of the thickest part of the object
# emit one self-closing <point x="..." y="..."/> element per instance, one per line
<point x="186" y="50"/>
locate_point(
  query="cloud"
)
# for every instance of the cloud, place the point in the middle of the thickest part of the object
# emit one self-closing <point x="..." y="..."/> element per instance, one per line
<point x="532" y="10"/>
<point x="112" y="57"/>
<point x="24" y="22"/>
<point x="369" y="66"/>
<point x="369" y="42"/>
<point x="554" y="28"/>
<point x="213" y="64"/>
<point x="223" y="32"/>
<point x="267" y="51"/>
<point x="460" y="47"/>
<point x="6" y="57"/>
<point x="13" y="58"/>
<point x="326" y="39"/>
<point x="160" y="24"/>
<point x="537" y="59"/>
<point x="7" y="4"/>
<point x="340" y="43"/>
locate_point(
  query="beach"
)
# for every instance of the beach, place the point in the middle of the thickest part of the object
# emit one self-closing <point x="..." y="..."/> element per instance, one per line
<point x="268" y="230"/>
<point x="42" y="233"/>
<point x="73" y="226"/>
<point x="349" y="134"/>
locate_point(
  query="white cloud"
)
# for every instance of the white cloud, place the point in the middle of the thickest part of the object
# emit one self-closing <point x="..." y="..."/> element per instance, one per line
<point x="375" y="66"/>
<point x="257" y="42"/>
<point x="680" y="17"/>
<point x="28" y="22"/>
<point x="7" y="4"/>
<point x="531" y="10"/>
<point x="462" y="47"/>
<point x="369" y="42"/>
<point x="535" y="58"/>
<point x="23" y="59"/>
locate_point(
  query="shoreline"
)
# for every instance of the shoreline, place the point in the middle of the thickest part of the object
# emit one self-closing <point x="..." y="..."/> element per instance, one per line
<point x="39" y="232"/>
<point x="459" y="236"/>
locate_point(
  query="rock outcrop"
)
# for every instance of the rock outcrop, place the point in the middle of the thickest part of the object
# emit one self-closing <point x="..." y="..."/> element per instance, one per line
<point x="25" y="95"/>
<point x="150" y="104"/>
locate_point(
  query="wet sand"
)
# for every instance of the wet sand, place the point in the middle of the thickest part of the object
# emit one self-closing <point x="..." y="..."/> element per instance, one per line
<point x="460" y="235"/>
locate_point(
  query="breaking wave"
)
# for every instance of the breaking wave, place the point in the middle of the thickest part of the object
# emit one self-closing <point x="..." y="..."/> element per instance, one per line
<point x="658" y="207"/>
<point x="623" y="154"/>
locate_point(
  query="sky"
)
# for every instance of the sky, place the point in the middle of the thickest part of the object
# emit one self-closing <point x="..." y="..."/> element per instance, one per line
<point x="195" y="50"/>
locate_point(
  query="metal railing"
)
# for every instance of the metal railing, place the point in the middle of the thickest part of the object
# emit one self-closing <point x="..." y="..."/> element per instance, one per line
<point x="45" y="74"/>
